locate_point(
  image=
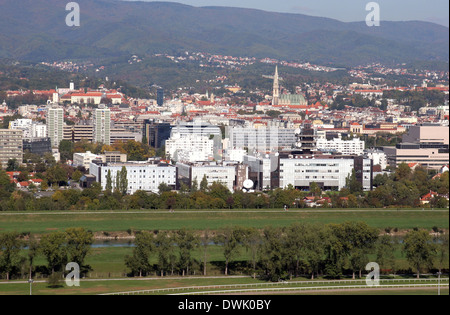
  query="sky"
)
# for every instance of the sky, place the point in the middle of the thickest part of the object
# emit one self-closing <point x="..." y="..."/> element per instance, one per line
<point x="435" y="11"/>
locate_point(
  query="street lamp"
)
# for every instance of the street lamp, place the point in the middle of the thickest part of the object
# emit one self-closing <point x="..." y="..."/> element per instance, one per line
<point x="30" y="281"/>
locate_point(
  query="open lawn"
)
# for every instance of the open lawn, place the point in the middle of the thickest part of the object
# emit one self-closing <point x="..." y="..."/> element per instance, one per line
<point x="114" y="221"/>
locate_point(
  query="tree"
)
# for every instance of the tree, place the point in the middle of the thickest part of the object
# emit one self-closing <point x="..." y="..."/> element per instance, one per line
<point x="251" y="239"/>
<point x="10" y="247"/>
<point x="76" y="176"/>
<point x="204" y="243"/>
<point x="272" y="257"/>
<point x="13" y="165"/>
<point x="123" y="182"/>
<point x="139" y="262"/>
<point x="353" y="184"/>
<point x="108" y="186"/>
<point x="53" y="247"/>
<point x="6" y="185"/>
<point x="443" y="249"/>
<point x="164" y="248"/>
<point x="33" y="250"/>
<point x="66" y="149"/>
<point x="79" y="243"/>
<point x="204" y="184"/>
<point x="419" y="249"/>
<point x="187" y="242"/>
<point x="385" y="250"/>
<point x="314" y="249"/>
<point x="229" y="240"/>
<point x="295" y="246"/>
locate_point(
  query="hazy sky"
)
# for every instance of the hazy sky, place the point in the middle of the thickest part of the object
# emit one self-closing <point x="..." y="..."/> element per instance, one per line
<point x="344" y="10"/>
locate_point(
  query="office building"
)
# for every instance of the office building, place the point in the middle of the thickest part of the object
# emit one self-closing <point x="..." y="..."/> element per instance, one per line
<point x="145" y="176"/>
<point x="427" y="145"/>
<point x="328" y="172"/>
<point x="156" y="133"/>
<point x="160" y="96"/>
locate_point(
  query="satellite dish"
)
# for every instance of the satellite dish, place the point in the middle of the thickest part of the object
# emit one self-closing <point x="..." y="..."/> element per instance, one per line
<point x="248" y="184"/>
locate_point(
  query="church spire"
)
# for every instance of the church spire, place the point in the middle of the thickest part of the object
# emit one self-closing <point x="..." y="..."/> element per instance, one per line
<point x="276" y="88"/>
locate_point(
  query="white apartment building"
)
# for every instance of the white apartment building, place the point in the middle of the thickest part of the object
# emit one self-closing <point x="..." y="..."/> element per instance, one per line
<point x="378" y="157"/>
<point x="225" y="174"/>
<point x="329" y="174"/>
<point x="55" y="123"/>
<point x="85" y="159"/>
<point x="145" y="176"/>
<point x="102" y="125"/>
<point x="345" y="147"/>
<point x="204" y="129"/>
<point x="261" y="139"/>
<point x="189" y="148"/>
<point x="30" y="128"/>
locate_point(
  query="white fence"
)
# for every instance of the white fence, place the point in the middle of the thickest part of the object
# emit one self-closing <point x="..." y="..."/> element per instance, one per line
<point x="256" y="287"/>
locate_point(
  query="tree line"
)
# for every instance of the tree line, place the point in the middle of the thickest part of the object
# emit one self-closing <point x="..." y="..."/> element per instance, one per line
<point x="272" y="253"/>
<point x="58" y="248"/>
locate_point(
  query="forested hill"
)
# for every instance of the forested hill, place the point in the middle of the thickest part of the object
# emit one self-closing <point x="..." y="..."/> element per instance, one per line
<point x="35" y="30"/>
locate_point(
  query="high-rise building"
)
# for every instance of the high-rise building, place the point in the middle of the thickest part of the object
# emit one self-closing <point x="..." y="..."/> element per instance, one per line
<point x="160" y="96"/>
<point x="102" y="125"/>
<point x="11" y="146"/>
<point x="55" y="122"/>
<point x="156" y="133"/>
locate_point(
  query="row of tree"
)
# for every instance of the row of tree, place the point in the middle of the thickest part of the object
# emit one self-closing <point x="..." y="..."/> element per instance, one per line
<point x="272" y="253"/>
<point x="58" y="248"/>
<point x="287" y="252"/>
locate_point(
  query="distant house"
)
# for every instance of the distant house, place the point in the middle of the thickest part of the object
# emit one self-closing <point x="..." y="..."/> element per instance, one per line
<point x="425" y="199"/>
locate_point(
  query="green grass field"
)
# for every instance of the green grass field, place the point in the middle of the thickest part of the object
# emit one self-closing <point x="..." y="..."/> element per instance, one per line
<point x="199" y="220"/>
<point x="108" y="262"/>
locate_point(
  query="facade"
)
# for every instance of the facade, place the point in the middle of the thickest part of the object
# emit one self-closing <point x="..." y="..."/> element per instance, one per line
<point x="113" y="157"/>
<point x="203" y="129"/>
<point x="85" y="159"/>
<point x="11" y="146"/>
<point x="30" y="128"/>
<point x="55" y="125"/>
<point x="329" y="173"/>
<point x="261" y="170"/>
<point x="156" y="133"/>
<point x="102" y="125"/>
<point x="77" y="133"/>
<point x="262" y="139"/>
<point x="378" y="157"/>
<point x="160" y="96"/>
<point x="190" y="148"/>
<point x="145" y="176"/>
<point x="427" y="145"/>
<point x="38" y="146"/>
<point x="222" y="173"/>
<point x="345" y="147"/>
